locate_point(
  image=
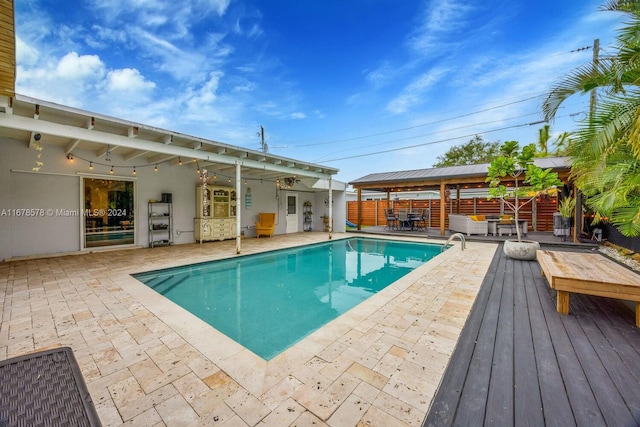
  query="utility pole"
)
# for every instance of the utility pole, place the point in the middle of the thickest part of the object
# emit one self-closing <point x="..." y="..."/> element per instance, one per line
<point x="263" y="145"/>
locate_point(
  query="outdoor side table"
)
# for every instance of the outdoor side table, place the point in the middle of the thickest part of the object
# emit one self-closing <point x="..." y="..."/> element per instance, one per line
<point x="45" y="388"/>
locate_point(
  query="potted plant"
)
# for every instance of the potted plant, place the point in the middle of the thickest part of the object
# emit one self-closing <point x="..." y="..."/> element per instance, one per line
<point x="567" y="207"/>
<point x="530" y="181"/>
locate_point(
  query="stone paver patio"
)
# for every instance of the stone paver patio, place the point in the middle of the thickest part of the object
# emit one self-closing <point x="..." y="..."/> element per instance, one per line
<point x="148" y="362"/>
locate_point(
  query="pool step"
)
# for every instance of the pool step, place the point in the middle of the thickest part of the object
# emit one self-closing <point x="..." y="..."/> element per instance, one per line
<point x="166" y="284"/>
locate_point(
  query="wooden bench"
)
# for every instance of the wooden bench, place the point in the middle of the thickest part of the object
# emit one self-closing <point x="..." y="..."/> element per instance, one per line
<point x="590" y="274"/>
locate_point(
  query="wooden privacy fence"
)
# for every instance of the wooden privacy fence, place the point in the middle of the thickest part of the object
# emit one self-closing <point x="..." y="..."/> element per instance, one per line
<point x="373" y="210"/>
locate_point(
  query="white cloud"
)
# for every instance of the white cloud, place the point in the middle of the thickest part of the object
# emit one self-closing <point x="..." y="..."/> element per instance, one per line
<point x="80" y="68"/>
<point x="128" y="80"/>
<point x="26" y="54"/>
<point x="412" y="95"/>
<point x="298" y="115"/>
<point x="441" y="18"/>
<point x="205" y="95"/>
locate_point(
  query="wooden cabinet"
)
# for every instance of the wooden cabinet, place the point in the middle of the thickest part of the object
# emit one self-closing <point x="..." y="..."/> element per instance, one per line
<point x="215" y="213"/>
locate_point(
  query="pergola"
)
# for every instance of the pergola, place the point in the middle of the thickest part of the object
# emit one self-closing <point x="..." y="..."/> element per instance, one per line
<point x="443" y="180"/>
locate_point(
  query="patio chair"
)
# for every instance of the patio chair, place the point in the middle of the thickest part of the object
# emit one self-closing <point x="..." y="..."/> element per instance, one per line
<point x="45" y="388"/>
<point x="391" y="219"/>
<point x="403" y="219"/>
<point x="265" y="225"/>
<point x="423" y="221"/>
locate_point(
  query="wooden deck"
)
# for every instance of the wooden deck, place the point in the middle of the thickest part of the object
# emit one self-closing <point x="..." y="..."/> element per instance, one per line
<point x="520" y="362"/>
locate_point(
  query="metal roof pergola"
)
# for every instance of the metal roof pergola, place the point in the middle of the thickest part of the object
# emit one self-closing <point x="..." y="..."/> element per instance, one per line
<point x="442" y="180"/>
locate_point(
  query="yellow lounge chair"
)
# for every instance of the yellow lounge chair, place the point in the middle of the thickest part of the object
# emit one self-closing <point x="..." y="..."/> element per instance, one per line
<point x="265" y="224"/>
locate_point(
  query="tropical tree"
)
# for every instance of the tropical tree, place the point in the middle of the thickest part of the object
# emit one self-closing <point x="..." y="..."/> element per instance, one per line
<point x="561" y="144"/>
<point x="605" y="150"/>
<point x="474" y="152"/>
<point x="558" y="146"/>
<point x="515" y="164"/>
<point x="544" y="135"/>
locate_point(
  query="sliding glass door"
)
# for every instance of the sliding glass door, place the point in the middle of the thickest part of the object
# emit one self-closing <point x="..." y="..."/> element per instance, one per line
<point x="109" y="215"/>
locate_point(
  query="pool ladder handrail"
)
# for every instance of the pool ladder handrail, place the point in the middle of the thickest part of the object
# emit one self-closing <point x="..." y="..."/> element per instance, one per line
<point x="463" y="242"/>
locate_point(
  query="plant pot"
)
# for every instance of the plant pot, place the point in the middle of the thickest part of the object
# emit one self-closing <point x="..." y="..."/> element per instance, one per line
<point x="523" y="250"/>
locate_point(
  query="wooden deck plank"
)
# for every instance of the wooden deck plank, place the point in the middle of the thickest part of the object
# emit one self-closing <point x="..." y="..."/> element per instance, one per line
<point x="526" y="386"/>
<point x="473" y="399"/>
<point x="499" y="410"/>
<point x="621" y="363"/>
<point x="577" y="388"/>
<point x="543" y="318"/>
<point x="608" y="399"/>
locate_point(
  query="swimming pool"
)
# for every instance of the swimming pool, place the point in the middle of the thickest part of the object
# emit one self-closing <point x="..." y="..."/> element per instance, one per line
<point x="268" y="302"/>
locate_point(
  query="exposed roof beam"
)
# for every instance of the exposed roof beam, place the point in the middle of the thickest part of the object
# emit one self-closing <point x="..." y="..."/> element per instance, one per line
<point x="133" y="154"/>
<point x="168" y="139"/>
<point x="106" y="149"/>
<point x="132" y="132"/>
<point x="160" y="158"/>
<point x="91" y="122"/>
<point x="70" y="146"/>
<point x="33" y="138"/>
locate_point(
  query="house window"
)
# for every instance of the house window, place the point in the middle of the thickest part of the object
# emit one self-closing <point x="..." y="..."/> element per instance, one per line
<point x="109" y="218"/>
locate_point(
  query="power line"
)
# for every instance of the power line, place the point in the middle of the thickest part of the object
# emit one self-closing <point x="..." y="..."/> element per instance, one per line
<point x="415" y="126"/>
<point x="439" y="141"/>
<point x="440" y="131"/>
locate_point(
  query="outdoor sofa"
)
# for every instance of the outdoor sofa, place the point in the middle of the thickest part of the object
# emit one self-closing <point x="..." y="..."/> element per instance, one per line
<point x="468" y="224"/>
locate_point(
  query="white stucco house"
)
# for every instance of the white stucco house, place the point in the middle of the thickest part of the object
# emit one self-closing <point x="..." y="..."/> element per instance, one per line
<point x="74" y="181"/>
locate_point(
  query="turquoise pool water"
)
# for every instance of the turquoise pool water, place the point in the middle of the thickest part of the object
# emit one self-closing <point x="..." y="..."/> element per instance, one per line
<point x="268" y="302"/>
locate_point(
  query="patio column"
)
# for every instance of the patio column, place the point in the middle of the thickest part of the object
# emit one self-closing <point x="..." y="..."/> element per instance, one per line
<point x="359" y="209"/>
<point x="331" y="208"/>
<point x="238" y="209"/>
<point x="442" y="206"/>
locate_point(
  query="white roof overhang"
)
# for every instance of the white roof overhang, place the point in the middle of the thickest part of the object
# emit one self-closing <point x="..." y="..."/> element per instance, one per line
<point x="21" y="118"/>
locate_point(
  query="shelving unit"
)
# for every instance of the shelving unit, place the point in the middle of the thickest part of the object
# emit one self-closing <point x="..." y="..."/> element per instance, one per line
<point x="216" y="209"/>
<point x="307" y="216"/>
<point x="160" y="224"/>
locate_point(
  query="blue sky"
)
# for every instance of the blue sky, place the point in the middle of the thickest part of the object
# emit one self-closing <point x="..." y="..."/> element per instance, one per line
<point x="361" y="85"/>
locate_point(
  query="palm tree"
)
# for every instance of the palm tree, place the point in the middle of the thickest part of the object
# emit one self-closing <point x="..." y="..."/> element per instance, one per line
<point x="605" y="150"/>
<point x="543" y="140"/>
<point x="561" y="144"/>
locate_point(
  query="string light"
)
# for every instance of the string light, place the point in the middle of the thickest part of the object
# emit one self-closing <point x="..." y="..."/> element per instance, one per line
<point x="179" y="161"/>
<point x="134" y="170"/>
